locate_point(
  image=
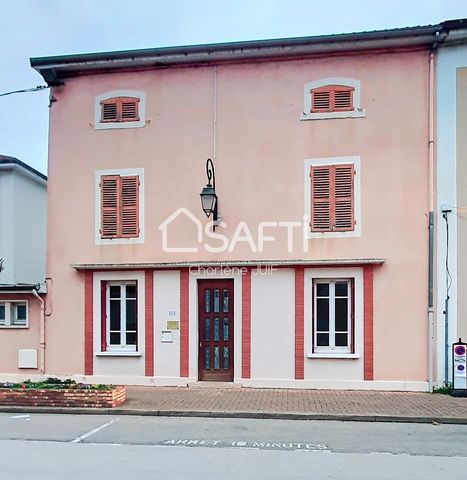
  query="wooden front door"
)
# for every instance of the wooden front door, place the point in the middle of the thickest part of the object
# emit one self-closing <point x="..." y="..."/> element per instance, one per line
<point x="215" y="320"/>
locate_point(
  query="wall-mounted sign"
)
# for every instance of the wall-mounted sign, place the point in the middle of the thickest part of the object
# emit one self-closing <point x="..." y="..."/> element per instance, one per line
<point x="172" y="313"/>
<point x="173" y="324"/>
<point x="166" y="336"/>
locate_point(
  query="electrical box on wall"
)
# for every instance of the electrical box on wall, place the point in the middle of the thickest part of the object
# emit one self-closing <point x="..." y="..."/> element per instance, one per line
<point x="459" y="368"/>
<point x="27" y="358"/>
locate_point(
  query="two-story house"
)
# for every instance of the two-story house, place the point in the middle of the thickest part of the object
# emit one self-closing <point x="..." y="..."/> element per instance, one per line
<point x="23" y="220"/>
<point x="313" y="272"/>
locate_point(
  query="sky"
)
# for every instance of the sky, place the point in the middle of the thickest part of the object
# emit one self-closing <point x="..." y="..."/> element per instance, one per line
<point x="32" y="28"/>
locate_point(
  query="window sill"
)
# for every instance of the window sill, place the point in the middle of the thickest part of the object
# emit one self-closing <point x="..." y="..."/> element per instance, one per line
<point x="330" y="115"/>
<point x="9" y="327"/>
<point x="118" y="354"/>
<point x="345" y="356"/>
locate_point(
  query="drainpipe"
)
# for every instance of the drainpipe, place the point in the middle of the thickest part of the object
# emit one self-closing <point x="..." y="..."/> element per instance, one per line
<point x="431" y="156"/>
<point x="42" y="332"/>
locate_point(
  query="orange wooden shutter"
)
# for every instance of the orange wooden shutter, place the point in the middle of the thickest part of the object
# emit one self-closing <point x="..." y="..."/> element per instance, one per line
<point x="109" y="110"/>
<point x="332" y="198"/>
<point x="344" y="197"/>
<point x="120" y="109"/>
<point x="130" y="206"/>
<point x="321" y="198"/>
<point x="331" y="98"/>
<point x="110" y="206"/>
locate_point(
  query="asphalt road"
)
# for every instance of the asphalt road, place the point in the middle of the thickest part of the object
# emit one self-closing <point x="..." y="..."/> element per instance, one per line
<point x="125" y="447"/>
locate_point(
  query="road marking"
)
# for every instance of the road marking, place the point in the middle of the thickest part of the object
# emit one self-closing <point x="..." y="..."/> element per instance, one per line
<point x="255" y="445"/>
<point x="20" y="416"/>
<point x="92" y="432"/>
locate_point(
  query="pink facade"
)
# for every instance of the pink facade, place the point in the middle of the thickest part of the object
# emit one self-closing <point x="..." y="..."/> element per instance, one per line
<point x="247" y="116"/>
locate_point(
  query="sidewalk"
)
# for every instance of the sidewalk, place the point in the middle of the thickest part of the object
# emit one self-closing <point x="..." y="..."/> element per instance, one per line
<point x="368" y="406"/>
<point x="295" y="404"/>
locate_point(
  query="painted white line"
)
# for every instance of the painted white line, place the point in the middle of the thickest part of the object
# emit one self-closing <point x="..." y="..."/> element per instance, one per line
<point x="92" y="432"/>
<point x="20" y="416"/>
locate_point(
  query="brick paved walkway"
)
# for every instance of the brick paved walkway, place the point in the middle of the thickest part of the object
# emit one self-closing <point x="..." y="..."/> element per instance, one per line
<point x="300" y="403"/>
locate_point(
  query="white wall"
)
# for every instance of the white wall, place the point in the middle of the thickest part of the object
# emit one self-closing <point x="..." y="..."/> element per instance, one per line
<point x="273" y="325"/>
<point x="166" y="299"/>
<point x="448" y="60"/>
<point x="23" y="224"/>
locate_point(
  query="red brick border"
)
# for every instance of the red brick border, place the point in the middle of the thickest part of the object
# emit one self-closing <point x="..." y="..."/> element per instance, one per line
<point x="184" y="324"/>
<point x="246" y="324"/>
<point x="66" y="397"/>
<point x="299" y="323"/>
<point x="149" y="323"/>
<point x="368" y="322"/>
<point x="88" y="331"/>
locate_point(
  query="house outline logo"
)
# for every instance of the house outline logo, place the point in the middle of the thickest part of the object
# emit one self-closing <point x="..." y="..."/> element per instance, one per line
<point x="163" y="227"/>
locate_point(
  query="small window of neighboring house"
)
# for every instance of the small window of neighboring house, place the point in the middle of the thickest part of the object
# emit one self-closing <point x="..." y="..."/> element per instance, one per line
<point x="332" y="198"/>
<point x="119" y="316"/>
<point x="14" y="314"/>
<point x="120" y="109"/>
<point x="332" y="98"/>
<point x="119" y="206"/>
<point x="333" y="316"/>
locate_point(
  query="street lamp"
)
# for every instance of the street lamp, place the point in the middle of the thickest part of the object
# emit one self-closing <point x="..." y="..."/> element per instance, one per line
<point x="208" y="194"/>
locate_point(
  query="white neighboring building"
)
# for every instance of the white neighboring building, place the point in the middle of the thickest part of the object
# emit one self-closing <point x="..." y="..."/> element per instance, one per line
<point x="23" y="223"/>
<point x="451" y="190"/>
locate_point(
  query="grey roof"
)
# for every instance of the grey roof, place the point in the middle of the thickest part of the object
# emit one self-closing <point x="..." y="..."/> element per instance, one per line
<point x="6" y="160"/>
<point x="56" y="68"/>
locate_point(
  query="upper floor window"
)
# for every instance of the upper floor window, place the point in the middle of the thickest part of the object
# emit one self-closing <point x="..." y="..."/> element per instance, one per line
<point x="119" y="211"/>
<point x="119" y="109"/>
<point x="332" y="196"/>
<point x="332" y="98"/>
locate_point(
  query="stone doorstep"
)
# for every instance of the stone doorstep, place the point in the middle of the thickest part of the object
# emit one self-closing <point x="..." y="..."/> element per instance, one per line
<point x="214" y="385"/>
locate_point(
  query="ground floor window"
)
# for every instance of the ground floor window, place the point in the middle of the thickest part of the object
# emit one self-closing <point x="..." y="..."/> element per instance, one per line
<point x="120" y="331"/>
<point x="333" y="316"/>
<point x="14" y="314"/>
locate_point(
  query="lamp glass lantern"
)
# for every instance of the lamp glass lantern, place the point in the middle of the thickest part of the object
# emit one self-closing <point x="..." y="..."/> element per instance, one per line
<point x="208" y="200"/>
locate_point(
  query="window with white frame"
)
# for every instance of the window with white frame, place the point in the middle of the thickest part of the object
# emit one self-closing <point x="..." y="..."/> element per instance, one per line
<point x="333" y="316"/>
<point x="119" y="109"/>
<point x="121" y="316"/>
<point x="14" y="314"/>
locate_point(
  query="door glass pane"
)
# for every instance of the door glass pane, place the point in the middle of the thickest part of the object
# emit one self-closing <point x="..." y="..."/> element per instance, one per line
<point x="322" y="289"/>
<point x="341" y="314"/>
<point x="131" y="291"/>
<point x="226" y="330"/>
<point x="207" y="329"/>
<point x="322" y="339"/>
<point x="322" y="314"/>
<point x="216" y="329"/>
<point x="114" y="291"/>
<point x="216" y="358"/>
<point x="207" y="301"/>
<point x="131" y="315"/>
<point x="207" y="359"/>
<point x="115" y="338"/>
<point x="114" y="315"/>
<point x="2" y="314"/>
<point x="341" y="289"/>
<point x="216" y="301"/>
<point x="341" y="340"/>
<point x="225" y="358"/>
<point x="225" y="300"/>
<point x="131" y="338"/>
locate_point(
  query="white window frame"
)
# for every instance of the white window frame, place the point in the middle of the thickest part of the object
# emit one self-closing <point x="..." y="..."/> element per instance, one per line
<point x="357" y="111"/>
<point x="123" y="346"/>
<point x="9" y="314"/>
<point x="98" y="125"/>
<point x="328" y="161"/>
<point x="332" y="348"/>
<point x="122" y="172"/>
